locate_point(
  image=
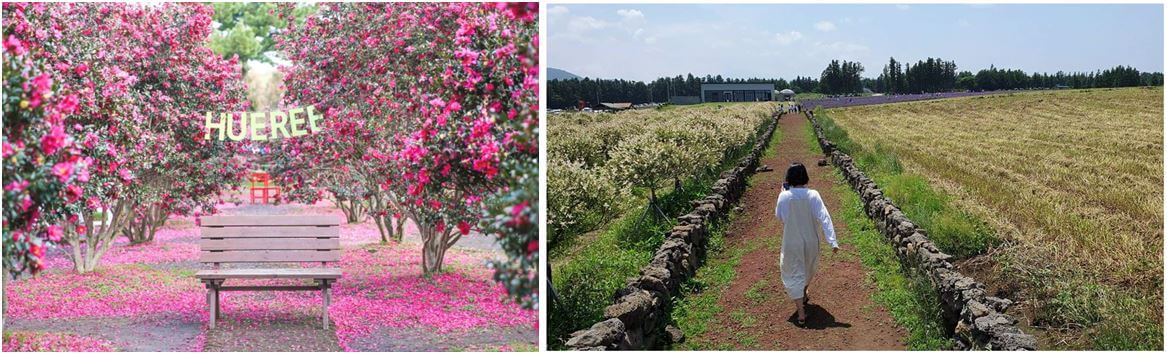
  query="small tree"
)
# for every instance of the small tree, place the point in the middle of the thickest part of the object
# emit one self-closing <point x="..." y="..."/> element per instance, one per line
<point x="645" y="161"/>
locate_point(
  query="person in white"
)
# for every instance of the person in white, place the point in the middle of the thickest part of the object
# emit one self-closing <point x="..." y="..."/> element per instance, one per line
<point x="803" y="215"/>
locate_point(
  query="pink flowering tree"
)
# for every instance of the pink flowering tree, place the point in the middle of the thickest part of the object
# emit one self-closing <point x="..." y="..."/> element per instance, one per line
<point x="448" y="92"/>
<point x="512" y="213"/>
<point x="143" y="79"/>
<point x="336" y="163"/>
<point x="42" y="163"/>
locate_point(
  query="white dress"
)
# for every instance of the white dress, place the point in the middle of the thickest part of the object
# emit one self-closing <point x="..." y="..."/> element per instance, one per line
<point x="803" y="215"/>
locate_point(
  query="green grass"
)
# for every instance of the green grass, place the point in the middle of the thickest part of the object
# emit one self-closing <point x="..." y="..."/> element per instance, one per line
<point x="953" y="230"/>
<point x="698" y="307"/>
<point x="908" y="296"/>
<point x="756" y="292"/>
<point x="585" y="281"/>
<point x="772" y="149"/>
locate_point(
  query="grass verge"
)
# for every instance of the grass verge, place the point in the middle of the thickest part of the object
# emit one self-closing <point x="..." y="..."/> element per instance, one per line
<point x="908" y="296"/>
<point x="697" y="308"/>
<point x="954" y="231"/>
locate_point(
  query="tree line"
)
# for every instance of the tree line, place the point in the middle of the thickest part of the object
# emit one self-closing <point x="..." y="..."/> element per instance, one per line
<point x="845" y="77"/>
<point x="1005" y="79"/>
<point x="588" y="92"/>
<point x="937" y="75"/>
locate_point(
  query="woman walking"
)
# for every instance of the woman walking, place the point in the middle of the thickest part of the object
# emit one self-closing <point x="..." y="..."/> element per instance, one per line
<point x="803" y="215"/>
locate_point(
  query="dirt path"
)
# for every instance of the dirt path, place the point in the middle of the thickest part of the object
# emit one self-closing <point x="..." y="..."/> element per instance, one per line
<point x="757" y="312"/>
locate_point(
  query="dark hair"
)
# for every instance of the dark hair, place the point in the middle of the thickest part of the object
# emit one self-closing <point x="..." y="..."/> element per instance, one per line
<point x="796" y="175"/>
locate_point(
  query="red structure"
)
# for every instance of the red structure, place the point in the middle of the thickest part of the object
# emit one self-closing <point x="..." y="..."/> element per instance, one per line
<point x="262" y="189"/>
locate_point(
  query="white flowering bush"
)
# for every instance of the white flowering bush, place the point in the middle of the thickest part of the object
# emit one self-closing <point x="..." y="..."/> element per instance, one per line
<point x="597" y="159"/>
<point x="583" y="197"/>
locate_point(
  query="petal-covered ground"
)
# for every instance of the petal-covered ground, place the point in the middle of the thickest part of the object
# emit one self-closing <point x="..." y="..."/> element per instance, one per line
<point x="145" y="298"/>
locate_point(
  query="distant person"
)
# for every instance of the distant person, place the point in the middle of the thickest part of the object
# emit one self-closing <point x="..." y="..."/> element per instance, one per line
<point x="803" y="215"/>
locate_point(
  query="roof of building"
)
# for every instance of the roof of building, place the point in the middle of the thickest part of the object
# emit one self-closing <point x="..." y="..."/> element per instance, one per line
<point x="621" y="105"/>
<point x="786" y="92"/>
<point x="714" y="87"/>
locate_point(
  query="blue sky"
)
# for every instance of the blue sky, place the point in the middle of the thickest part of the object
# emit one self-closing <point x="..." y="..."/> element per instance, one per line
<point x="646" y="41"/>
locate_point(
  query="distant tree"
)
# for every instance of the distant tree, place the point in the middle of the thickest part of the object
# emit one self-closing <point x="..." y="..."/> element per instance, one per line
<point x="841" y="77"/>
<point x="246" y="28"/>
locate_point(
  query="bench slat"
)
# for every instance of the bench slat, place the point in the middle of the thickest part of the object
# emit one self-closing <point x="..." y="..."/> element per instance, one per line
<point x="285" y="273"/>
<point x="270" y="220"/>
<point x="269" y="256"/>
<point x="244" y="244"/>
<point x="270" y="231"/>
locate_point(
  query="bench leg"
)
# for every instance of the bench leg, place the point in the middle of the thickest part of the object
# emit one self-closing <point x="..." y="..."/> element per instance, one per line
<point x="218" y="313"/>
<point x="327" y="292"/>
<point x="212" y="305"/>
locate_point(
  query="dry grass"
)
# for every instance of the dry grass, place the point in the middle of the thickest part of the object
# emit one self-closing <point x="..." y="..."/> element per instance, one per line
<point x="1073" y="179"/>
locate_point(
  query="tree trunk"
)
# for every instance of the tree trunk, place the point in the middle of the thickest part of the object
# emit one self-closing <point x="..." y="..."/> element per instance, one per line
<point x="88" y="248"/>
<point x="353" y="209"/>
<point x="376" y="207"/>
<point x="434" y="245"/>
<point x="380" y="221"/>
<point x="140" y="231"/>
<point x="399" y="234"/>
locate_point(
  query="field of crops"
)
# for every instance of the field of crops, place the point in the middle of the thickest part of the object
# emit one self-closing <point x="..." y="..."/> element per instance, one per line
<point x="1071" y="181"/>
<point x="604" y="172"/>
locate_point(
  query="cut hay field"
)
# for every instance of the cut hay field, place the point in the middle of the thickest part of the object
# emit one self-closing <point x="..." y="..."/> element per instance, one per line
<point x="1070" y="182"/>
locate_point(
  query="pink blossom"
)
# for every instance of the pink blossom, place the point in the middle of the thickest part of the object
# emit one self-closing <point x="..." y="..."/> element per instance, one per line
<point x="53" y="342"/>
<point x="41" y="87"/>
<point x="54" y="233"/>
<point x="14" y="45"/>
<point x="63" y="170"/>
<point x="72" y="193"/>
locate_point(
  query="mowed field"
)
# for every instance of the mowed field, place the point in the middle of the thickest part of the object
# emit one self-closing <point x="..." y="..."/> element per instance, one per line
<point x="1071" y="182"/>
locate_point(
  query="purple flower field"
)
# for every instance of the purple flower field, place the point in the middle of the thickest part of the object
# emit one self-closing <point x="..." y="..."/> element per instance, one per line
<point x="870" y="100"/>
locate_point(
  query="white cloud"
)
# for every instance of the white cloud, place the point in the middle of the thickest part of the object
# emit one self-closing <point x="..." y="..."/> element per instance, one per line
<point x="586" y="23"/>
<point x="903" y="7"/>
<point x="825" y="26"/>
<point x="963" y="23"/>
<point x="630" y="15"/>
<point x="787" y="38"/>
<point x="558" y="10"/>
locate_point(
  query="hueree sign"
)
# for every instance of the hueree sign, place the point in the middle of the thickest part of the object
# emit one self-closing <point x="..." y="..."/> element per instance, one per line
<point x="289" y="124"/>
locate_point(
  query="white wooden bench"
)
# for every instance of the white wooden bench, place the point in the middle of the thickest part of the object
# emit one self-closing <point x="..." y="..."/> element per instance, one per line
<point x="268" y="239"/>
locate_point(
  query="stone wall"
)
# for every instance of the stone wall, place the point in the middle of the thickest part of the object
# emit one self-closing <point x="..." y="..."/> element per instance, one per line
<point x="978" y="321"/>
<point x="639" y="315"/>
